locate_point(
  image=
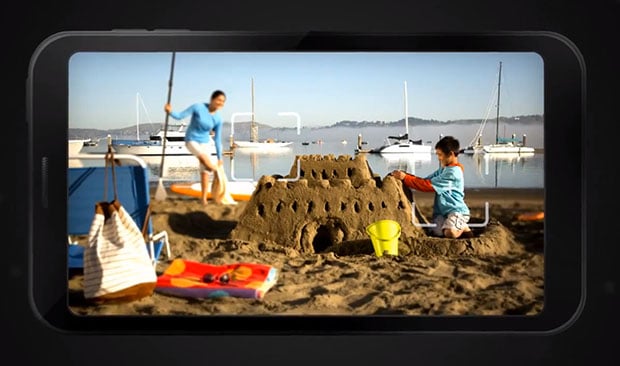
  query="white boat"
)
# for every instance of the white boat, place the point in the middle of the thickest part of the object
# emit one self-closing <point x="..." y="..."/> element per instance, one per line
<point x="475" y="149"/>
<point x="91" y="143"/>
<point x="175" y="143"/>
<point x="409" y="147"/>
<point x="503" y="145"/>
<point x="507" y="148"/>
<point x="267" y="144"/>
<point x="401" y="144"/>
<point x="75" y="146"/>
<point x="254" y="143"/>
<point x="175" y="139"/>
<point x="145" y="149"/>
<point x="344" y="142"/>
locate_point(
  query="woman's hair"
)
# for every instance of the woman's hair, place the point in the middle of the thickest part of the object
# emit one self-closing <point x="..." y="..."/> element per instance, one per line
<point x="447" y="144"/>
<point x="217" y="93"/>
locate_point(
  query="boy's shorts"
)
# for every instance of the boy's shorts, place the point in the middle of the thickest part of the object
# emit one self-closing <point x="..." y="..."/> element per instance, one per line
<point x="454" y="220"/>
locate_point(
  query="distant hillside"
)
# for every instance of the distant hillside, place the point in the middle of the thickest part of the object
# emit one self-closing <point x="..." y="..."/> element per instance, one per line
<point x="146" y="129"/>
<point x="128" y="132"/>
<point x="530" y="119"/>
<point x="243" y="128"/>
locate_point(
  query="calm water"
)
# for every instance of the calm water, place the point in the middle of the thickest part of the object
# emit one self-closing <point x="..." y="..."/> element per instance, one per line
<point x="480" y="170"/>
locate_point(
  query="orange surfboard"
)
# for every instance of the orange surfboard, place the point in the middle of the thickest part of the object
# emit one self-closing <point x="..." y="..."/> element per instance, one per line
<point x="240" y="191"/>
<point x="531" y="216"/>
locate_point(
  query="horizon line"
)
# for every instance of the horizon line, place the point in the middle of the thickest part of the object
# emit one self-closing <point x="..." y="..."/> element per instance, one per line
<point x="332" y="124"/>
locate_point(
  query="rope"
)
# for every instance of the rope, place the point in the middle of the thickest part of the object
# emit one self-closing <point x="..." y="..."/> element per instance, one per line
<point x="144" y="107"/>
<point x="109" y="161"/>
<point x="486" y="118"/>
<point x="145" y="224"/>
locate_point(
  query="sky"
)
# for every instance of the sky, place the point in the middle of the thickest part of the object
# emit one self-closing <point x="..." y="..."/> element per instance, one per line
<point x="323" y="88"/>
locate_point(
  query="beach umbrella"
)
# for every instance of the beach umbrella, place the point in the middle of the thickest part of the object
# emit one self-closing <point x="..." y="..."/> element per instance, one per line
<point x="160" y="193"/>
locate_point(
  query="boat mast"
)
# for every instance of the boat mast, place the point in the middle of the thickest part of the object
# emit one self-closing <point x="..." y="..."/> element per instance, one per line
<point x="253" y="129"/>
<point x="406" y="113"/>
<point x="499" y="81"/>
<point x="137" y="116"/>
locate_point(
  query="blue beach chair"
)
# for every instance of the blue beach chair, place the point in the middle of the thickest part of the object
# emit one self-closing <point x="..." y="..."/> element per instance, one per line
<point x="86" y="187"/>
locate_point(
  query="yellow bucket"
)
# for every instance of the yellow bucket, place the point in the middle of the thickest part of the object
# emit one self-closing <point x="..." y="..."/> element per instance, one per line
<point x="384" y="235"/>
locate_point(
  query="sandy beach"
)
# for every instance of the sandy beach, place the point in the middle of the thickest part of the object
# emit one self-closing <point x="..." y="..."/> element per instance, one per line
<point x="491" y="282"/>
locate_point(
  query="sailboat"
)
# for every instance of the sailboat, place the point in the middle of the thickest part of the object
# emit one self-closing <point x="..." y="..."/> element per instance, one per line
<point x="254" y="143"/>
<point x="175" y="139"/>
<point x="475" y="145"/>
<point x="402" y="144"/>
<point x="503" y="145"/>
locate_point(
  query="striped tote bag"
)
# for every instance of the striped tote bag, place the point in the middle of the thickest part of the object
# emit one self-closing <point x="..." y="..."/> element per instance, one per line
<point x="117" y="266"/>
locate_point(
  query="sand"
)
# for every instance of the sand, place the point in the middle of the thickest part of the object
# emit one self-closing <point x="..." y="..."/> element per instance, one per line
<point x="507" y="281"/>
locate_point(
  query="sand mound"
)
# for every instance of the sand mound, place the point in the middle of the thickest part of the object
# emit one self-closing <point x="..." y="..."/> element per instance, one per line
<point x="493" y="274"/>
<point x="331" y="203"/>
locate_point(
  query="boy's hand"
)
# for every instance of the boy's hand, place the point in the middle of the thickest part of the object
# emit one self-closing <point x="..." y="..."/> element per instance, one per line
<point x="399" y="174"/>
<point x="220" y="163"/>
<point x="168" y="108"/>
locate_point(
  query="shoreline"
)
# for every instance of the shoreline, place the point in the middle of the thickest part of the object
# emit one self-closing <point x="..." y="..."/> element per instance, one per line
<point x="514" y="197"/>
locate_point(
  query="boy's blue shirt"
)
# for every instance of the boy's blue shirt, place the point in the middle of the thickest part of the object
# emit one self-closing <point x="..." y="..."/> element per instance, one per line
<point x="449" y="185"/>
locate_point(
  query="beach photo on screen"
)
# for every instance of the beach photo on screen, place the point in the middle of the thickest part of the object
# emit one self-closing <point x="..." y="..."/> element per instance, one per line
<point x="306" y="183"/>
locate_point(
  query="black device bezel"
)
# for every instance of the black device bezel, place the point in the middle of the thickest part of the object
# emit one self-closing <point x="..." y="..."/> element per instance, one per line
<point x="564" y="126"/>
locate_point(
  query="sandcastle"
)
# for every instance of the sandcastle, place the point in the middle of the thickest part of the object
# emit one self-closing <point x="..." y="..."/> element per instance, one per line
<point x="332" y="202"/>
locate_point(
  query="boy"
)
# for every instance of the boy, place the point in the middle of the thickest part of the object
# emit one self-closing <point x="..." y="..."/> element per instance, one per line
<point x="450" y="213"/>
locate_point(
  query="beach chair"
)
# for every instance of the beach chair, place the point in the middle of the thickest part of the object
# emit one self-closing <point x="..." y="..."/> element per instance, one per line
<point x="86" y="187"/>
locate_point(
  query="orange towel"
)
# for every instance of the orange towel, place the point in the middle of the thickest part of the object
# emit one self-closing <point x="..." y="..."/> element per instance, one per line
<point x="185" y="278"/>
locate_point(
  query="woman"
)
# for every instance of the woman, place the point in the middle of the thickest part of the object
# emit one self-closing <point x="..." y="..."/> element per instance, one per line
<point x="205" y="118"/>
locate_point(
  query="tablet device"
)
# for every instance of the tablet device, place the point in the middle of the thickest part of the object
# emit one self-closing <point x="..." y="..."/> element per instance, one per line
<point x="314" y="127"/>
